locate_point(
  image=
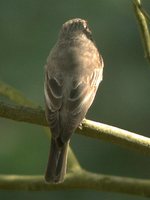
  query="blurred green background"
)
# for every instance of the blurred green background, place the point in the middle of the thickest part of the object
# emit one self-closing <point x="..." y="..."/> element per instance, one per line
<point x="28" y="30"/>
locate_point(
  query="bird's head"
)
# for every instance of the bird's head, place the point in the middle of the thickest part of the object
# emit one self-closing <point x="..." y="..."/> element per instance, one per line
<point x="75" y="27"/>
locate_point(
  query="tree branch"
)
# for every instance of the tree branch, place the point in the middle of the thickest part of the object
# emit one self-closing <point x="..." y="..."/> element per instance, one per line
<point x="87" y="128"/>
<point x="79" y="180"/>
<point x="14" y="95"/>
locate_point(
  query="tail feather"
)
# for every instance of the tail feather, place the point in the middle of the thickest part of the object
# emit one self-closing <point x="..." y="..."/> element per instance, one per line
<point x="56" y="167"/>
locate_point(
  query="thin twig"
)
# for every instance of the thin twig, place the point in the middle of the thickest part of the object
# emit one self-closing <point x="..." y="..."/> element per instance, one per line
<point x="139" y="5"/>
<point x="141" y="16"/>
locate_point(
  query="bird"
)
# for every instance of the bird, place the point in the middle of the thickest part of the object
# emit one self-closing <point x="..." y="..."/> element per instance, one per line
<point x="73" y="72"/>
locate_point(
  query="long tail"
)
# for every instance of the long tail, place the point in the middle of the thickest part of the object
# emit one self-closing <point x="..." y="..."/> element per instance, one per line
<point x="56" y="167"/>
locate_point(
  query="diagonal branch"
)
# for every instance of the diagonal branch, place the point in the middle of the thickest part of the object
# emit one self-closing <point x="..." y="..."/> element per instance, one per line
<point x="79" y="180"/>
<point x="88" y="128"/>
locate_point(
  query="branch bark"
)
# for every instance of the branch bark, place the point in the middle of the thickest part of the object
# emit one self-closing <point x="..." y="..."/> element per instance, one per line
<point x="79" y="180"/>
<point x="87" y="128"/>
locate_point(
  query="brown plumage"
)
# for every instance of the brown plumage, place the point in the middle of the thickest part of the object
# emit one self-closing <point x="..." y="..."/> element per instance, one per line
<point x="72" y="74"/>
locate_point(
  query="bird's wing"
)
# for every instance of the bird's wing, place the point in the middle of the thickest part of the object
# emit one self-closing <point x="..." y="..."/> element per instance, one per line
<point x="82" y="89"/>
<point x="53" y="90"/>
<point x="80" y="99"/>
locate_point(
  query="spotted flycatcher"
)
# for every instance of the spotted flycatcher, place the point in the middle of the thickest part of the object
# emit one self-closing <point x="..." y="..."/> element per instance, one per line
<point x="73" y="72"/>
